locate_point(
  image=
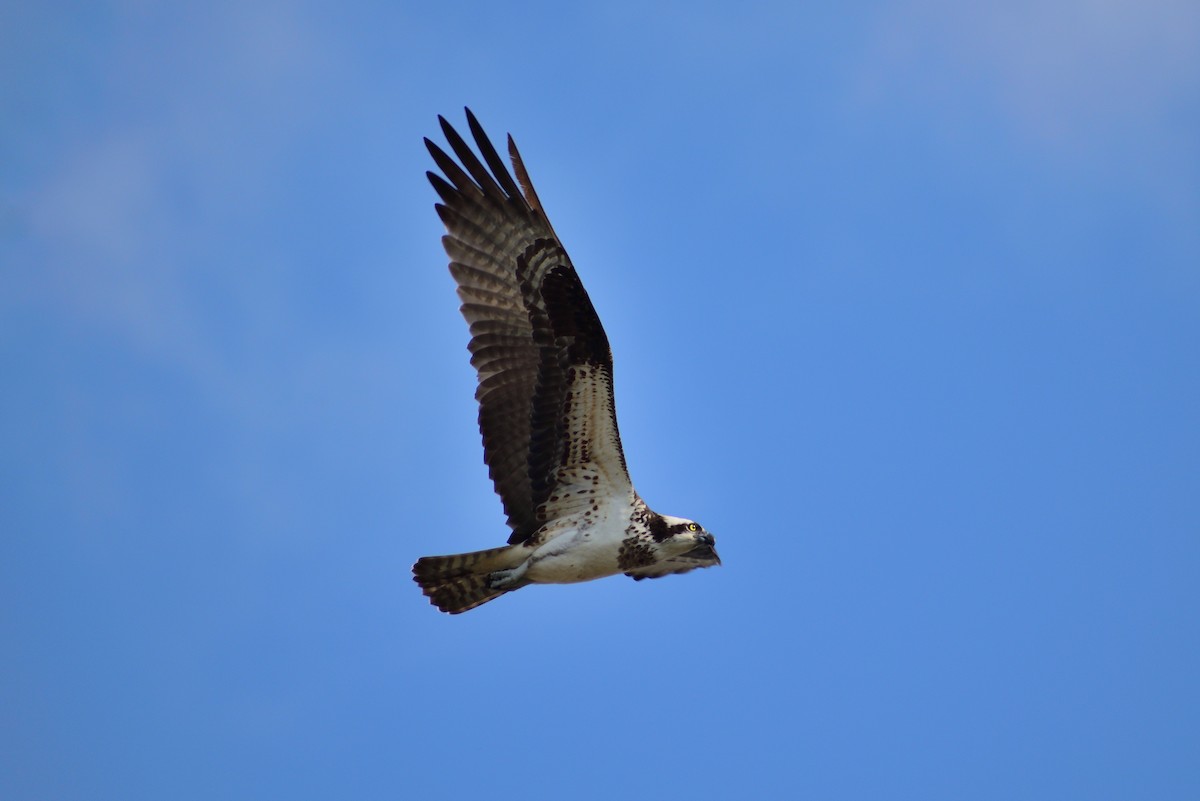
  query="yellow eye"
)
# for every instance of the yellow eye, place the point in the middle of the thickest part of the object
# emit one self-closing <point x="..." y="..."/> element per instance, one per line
<point x="693" y="527"/>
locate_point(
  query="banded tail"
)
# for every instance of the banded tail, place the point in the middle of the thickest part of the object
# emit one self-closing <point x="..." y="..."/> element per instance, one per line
<point x="460" y="582"/>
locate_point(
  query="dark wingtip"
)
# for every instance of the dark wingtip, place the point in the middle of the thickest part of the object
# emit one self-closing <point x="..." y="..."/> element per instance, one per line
<point x="444" y="189"/>
<point x="444" y="214"/>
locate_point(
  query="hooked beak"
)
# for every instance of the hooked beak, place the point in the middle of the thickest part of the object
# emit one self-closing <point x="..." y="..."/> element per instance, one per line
<point x="706" y="551"/>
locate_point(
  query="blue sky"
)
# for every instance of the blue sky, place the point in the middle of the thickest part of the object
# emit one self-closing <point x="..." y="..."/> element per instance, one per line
<point x="903" y="299"/>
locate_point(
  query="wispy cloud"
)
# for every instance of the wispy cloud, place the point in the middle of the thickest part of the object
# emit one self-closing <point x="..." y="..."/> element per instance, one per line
<point x="127" y="230"/>
<point x="1066" y="75"/>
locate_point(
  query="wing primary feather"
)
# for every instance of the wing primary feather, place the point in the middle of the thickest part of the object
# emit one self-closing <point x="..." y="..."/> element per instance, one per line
<point x="499" y="169"/>
<point x="462" y="182"/>
<point x="447" y="216"/>
<point x="531" y="196"/>
<point x="445" y="190"/>
<point x="475" y="203"/>
<point x="471" y="162"/>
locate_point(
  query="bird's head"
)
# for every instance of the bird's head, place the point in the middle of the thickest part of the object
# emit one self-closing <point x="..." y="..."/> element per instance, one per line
<point x="688" y="539"/>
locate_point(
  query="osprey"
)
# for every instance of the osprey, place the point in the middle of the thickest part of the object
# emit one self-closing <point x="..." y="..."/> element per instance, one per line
<point x="545" y="396"/>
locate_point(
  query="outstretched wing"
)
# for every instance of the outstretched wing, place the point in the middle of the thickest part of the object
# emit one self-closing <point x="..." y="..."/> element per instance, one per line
<point x="544" y="366"/>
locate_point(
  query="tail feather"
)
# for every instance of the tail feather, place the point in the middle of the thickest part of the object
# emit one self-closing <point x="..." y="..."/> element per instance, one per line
<point x="460" y="581"/>
<point x="461" y="594"/>
<point x="436" y="568"/>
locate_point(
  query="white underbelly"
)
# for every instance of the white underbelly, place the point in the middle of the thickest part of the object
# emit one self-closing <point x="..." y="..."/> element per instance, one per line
<point x="580" y="553"/>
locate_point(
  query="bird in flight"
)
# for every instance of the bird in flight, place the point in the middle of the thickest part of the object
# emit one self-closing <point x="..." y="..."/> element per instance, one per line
<point x="545" y="393"/>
